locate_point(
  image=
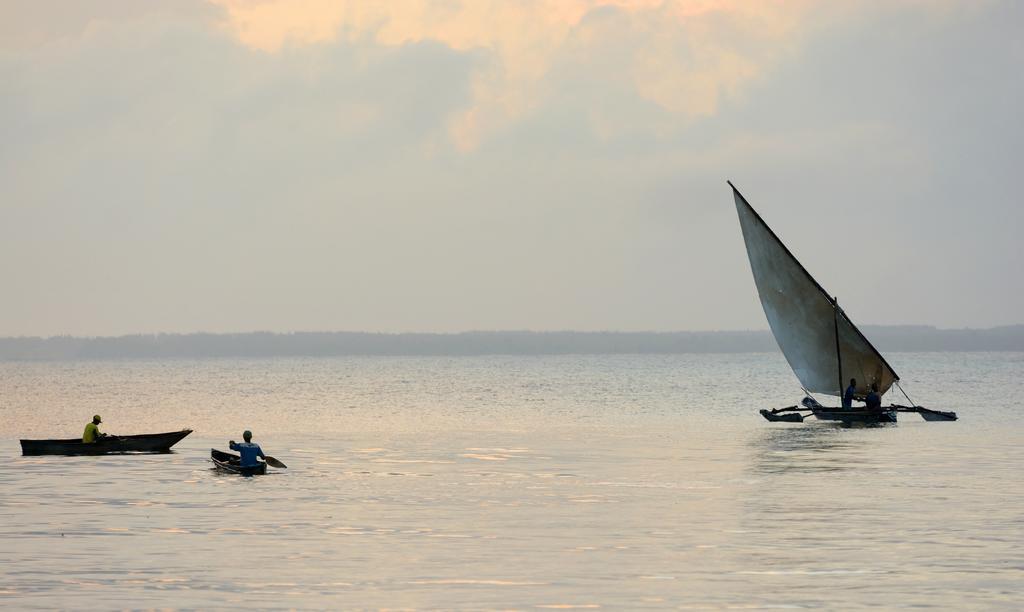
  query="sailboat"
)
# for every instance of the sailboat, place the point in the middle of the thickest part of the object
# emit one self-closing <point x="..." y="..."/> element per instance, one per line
<point x="822" y="345"/>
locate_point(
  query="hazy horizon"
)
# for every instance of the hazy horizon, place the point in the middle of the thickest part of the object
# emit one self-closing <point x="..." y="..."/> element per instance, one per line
<point x="336" y="344"/>
<point x="413" y="332"/>
<point x="229" y="166"/>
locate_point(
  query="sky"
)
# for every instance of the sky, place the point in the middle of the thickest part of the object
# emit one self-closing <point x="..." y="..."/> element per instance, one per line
<point x="235" y="165"/>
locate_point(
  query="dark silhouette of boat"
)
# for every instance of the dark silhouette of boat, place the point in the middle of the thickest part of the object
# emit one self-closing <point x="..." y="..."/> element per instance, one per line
<point x="107" y="445"/>
<point x="821" y="343"/>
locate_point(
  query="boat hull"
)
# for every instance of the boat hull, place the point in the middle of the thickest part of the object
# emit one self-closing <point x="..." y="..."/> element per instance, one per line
<point x="855" y="416"/>
<point x="794" y="414"/>
<point x="108" y="445"/>
<point x="230" y="462"/>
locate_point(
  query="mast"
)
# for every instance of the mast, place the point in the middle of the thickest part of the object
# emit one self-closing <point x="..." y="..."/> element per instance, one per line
<point x="839" y="352"/>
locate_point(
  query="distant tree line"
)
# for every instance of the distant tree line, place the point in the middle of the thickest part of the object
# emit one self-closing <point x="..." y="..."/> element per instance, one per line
<point x="330" y="344"/>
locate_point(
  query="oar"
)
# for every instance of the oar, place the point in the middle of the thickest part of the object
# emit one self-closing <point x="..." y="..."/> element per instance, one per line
<point x="274" y="463"/>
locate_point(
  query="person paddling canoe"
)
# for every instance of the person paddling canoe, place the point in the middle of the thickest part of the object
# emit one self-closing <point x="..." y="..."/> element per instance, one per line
<point x="248" y="451"/>
<point x="92" y="431"/>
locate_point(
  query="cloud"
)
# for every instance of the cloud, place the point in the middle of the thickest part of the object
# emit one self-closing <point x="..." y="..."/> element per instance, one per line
<point x="682" y="56"/>
<point x="27" y="25"/>
<point x="492" y="165"/>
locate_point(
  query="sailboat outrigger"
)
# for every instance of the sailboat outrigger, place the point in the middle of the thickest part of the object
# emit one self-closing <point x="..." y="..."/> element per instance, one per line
<point x="819" y="341"/>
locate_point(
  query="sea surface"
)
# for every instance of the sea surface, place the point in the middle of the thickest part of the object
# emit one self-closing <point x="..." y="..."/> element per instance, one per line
<point x="616" y="482"/>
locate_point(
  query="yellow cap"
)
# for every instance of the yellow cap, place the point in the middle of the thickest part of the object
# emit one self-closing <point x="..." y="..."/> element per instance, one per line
<point x="97" y="418"/>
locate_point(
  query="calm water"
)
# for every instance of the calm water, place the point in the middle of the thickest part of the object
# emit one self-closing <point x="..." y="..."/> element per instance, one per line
<point x="512" y="482"/>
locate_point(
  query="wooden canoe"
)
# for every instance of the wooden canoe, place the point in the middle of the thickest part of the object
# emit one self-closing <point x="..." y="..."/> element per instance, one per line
<point x="143" y="443"/>
<point x="230" y="462"/>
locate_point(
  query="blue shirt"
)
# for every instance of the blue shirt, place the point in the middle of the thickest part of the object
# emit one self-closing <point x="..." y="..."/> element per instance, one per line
<point x="873" y="401"/>
<point x="848" y="397"/>
<point x="249" y="452"/>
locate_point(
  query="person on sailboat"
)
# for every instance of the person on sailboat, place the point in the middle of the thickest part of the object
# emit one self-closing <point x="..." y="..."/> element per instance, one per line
<point x="873" y="400"/>
<point x="850" y="392"/>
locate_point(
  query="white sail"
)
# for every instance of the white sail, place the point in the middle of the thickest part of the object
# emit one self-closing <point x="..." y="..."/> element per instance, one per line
<point x="821" y="344"/>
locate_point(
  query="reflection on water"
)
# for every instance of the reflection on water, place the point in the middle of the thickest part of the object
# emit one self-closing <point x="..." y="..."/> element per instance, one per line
<point x="809" y="447"/>
<point x="624" y="482"/>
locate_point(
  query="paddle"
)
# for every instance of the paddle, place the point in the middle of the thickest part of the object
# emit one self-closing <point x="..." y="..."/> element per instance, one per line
<point x="272" y="462"/>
